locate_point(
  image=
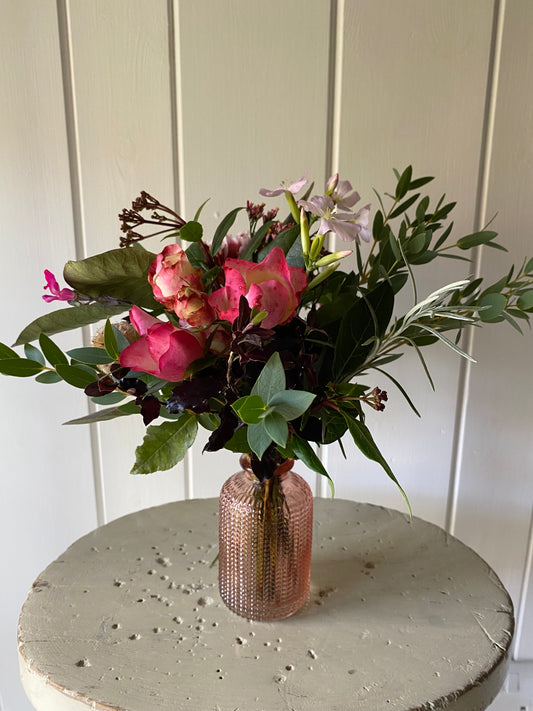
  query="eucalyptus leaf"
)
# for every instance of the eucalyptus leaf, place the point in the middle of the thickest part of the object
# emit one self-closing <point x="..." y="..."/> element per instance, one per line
<point x="33" y="353"/>
<point x="291" y="404"/>
<point x="165" y="445"/>
<point x="94" y="356"/>
<point x="271" y="379"/>
<point x="277" y="428"/>
<point x="258" y="438"/>
<point x="249" y="409"/>
<point x="48" y="377"/>
<point x="491" y="307"/>
<point x="525" y="301"/>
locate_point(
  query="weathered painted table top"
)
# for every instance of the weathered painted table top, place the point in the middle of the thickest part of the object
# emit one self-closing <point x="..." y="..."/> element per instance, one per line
<point x="401" y="616"/>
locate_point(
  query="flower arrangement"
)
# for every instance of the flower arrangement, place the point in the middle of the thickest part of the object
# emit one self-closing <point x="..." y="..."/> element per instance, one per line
<point x="259" y="337"/>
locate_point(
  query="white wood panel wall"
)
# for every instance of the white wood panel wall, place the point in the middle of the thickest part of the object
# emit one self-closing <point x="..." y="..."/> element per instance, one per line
<point x="190" y="100"/>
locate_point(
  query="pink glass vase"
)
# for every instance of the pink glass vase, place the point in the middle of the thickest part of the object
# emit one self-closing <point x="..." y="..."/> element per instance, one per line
<point x="265" y="531"/>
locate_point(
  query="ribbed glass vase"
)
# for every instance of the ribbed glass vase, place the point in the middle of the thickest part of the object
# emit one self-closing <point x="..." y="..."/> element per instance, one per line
<point x="266" y="531"/>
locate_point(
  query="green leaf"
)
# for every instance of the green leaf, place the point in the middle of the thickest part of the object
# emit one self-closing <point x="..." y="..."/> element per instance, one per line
<point x="197" y="213"/>
<point x="495" y="304"/>
<point x="192" y="231"/>
<point x="291" y="404"/>
<point x="528" y="269"/>
<point x="239" y="441"/>
<point x="358" y="327"/>
<point x="75" y="375"/>
<point x="256" y="241"/>
<point x="476" y="238"/>
<point x="223" y="229"/>
<point x="271" y="379"/>
<point x="277" y="428"/>
<point x="20" y="367"/>
<point x="53" y="354"/>
<point x="400" y="388"/>
<point x="364" y="441"/>
<point x="109" y="399"/>
<point x="249" y="409"/>
<point x="419" y="182"/>
<point x="303" y="450"/>
<point x="285" y="240"/>
<point x="209" y="420"/>
<point x="66" y="319"/>
<point x="7" y="352"/>
<point x="93" y="356"/>
<point x="525" y="301"/>
<point x="404" y="183"/>
<point x="110" y="413"/>
<point x="119" y="273"/>
<point x="258" y="438"/>
<point x="33" y="353"/>
<point x="165" y="445"/>
<point x="110" y="341"/>
<point x="195" y="255"/>
<point x="405" y="205"/>
<point x="48" y="377"/>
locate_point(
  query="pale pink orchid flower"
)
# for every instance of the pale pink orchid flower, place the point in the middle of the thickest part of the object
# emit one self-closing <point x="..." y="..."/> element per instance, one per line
<point x="344" y="196"/>
<point x="348" y="226"/>
<point x="56" y="294"/>
<point x="293" y="188"/>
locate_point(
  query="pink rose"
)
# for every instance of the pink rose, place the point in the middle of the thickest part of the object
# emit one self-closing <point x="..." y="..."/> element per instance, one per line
<point x="271" y="285"/>
<point x="163" y="349"/>
<point x="178" y="286"/>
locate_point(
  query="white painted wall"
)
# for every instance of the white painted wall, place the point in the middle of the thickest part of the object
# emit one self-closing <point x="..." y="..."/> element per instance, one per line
<point x="102" y="98"/>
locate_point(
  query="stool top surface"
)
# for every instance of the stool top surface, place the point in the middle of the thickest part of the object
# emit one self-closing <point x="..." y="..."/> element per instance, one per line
<point x="401" y="616"/>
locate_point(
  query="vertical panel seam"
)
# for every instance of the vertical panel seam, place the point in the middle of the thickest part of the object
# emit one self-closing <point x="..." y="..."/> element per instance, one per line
<point x="176" y="101"/>
<point x="69" y="98"/>
<point x="522" y="601"/>
<point x="336" y="22"/>
<point x="479" y="221"/>
<point x="176" y="141"/>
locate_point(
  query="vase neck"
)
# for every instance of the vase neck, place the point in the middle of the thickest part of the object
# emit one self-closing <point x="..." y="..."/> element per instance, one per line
<point x="265" y="470"/>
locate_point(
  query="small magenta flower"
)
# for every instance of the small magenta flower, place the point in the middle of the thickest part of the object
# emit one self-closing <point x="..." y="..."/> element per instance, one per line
<point x="56" y="294"/>
<point x="294" y="188"/>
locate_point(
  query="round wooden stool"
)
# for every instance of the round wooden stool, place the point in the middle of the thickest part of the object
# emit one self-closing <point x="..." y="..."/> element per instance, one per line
<point x="401" y="616"/>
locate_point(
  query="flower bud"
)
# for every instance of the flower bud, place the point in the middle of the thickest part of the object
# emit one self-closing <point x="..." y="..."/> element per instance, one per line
<point x="330" y="258"/>
<point x="316" y="247"/>
<point x="323" y="275"/>
<point x="332" y="184"/>
<point x="304" y="232"/>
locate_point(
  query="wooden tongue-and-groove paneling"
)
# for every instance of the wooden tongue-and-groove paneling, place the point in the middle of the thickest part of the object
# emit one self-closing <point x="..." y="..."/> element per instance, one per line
<point x="215" y="100"/>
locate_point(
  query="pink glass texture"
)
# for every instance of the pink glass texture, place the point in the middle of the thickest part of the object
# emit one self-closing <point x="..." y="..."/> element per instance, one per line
<point x="266" y="532"/>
